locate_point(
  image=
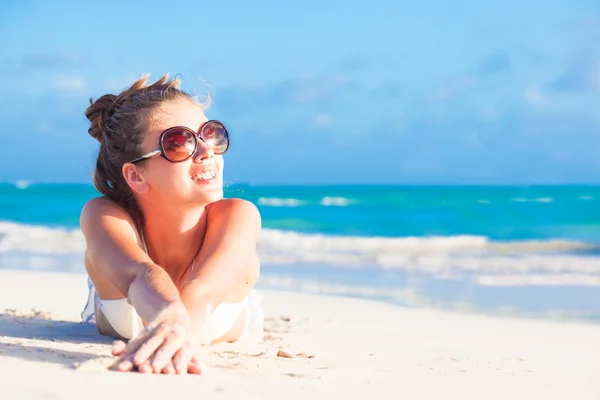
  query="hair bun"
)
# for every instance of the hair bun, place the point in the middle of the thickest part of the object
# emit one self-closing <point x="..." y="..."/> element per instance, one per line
<point x="98" y="113"/>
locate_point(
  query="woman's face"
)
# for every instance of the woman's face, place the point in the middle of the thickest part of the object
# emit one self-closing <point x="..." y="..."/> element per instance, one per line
<point x="191" y="182"/>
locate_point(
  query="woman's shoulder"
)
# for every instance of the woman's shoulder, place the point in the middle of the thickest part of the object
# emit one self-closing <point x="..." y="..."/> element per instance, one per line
<point x="233" y="208"/>
<point x="99" y="207"/>
<point x="103" y="203"/>
<point x="232" y="204"/>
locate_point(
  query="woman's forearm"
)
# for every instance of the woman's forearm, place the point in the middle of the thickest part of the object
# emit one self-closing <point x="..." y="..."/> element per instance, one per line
<point x="228" y="255"/>
<point x="219" y="282"/>
<point x="199" y="308"/>
<point x="152" y="292"/>
<point x="114" y="255"/>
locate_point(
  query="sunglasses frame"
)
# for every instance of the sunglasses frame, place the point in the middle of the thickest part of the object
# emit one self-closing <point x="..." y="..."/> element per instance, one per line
<point x="197" y="136"/>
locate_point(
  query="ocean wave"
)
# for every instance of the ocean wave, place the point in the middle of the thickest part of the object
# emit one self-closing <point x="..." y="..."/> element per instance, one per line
<point x="335" y="201"/>
<point x="434" y="255"/>
<point x="290" y="240"/>
<point x="536" y="200"/>
<point x="431" y="255"/>
<point x="326" y="201"/>
<point x="40" y="239"/>
<point x="539" y="280"/>
<point x="23" y="184"/>
<point x="277" y="202"/>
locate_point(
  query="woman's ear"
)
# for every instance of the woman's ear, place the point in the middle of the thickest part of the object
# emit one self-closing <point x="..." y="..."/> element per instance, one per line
<point x="134" y="178"/>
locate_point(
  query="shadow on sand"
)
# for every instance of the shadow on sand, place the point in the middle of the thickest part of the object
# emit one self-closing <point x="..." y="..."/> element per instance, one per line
<point x="25" y="334"/>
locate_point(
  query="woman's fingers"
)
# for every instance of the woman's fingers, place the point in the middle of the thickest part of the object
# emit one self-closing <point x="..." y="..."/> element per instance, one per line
<point x="194" y="366"/>
<point x="169" y="369"/>
<point x="118" y="347"/>
<point x="145" y="368"/>
<point x="182" y="358"/>
<point x="166" y="347"/>
<point x="134" y="344"/>
<point x="147" y="349"/>
<point x="124" y="366"/>
<point x="173" y="342"/>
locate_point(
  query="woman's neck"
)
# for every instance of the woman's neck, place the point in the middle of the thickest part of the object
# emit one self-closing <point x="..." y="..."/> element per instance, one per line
<point x="173" y="236"/>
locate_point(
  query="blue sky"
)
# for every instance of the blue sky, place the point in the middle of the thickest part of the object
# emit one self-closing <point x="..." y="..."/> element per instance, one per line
<point x="320" y="92"/>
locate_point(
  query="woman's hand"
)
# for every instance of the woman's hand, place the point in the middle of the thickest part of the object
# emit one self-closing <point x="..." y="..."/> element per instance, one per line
<point x="166" y="345"/>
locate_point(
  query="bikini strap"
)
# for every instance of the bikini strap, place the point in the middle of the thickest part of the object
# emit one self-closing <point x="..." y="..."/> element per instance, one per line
<point x="143" y="240"/>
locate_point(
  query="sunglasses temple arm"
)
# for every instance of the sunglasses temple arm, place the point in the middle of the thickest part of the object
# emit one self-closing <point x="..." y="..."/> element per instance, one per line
<point x="147" y="156"/>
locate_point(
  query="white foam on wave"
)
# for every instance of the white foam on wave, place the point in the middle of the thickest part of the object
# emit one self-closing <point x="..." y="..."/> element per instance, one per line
<point x="435" y="255"/>
<point x="23" y="184"/>
<point x="39" y="239"/>
<point x="539" y="280"/>
<point x="335" y="201"/>
<point x="432" y="255"/>
<point x="409" y="296"/>
<point x="290" y="240"/>
<point x="277" y="202"/>
<point x="326" y="201"/>
<point x="536" y="200"/>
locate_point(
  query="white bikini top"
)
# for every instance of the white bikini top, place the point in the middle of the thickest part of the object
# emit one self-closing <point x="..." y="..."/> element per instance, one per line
<point x="223" y="317"/>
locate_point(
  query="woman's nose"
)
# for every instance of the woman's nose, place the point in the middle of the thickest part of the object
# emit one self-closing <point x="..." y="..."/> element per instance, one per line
<point x="203" y="151"/>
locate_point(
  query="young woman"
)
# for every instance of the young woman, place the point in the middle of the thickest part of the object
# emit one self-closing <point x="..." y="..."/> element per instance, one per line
<point x="172" y="264"/>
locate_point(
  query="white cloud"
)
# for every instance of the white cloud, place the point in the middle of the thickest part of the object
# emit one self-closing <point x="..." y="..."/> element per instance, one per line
<point x="490" y="114"/>
<point x="43" y="127"/>
<point x="453" y="87"/>
<point x="119" y="84"/>
<point x="323" y="120"/>
<point x="53" y="59"/>
<point x="306" y="90"/>
<point x="72" y="84"/>
<point x="534" y="96"/>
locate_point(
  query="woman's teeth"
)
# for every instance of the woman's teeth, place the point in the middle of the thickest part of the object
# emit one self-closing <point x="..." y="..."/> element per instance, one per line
<point x="204" y="175"/>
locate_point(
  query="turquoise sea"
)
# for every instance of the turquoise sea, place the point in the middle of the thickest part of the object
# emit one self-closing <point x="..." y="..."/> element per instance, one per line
<point x="530" y="250"/>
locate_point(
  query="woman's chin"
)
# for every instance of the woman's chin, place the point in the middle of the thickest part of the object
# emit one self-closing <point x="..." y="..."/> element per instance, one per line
<point x="210" y="194"/>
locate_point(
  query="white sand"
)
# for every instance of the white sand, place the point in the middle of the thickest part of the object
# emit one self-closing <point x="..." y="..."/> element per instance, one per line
<point x="360" y="348"/>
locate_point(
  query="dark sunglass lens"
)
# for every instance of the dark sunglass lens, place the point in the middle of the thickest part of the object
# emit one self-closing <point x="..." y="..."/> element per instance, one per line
<point x="215" y="135"/>
<point x="178" y="144"/>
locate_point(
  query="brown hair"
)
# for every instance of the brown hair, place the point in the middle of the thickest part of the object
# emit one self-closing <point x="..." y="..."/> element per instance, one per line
<point x="119" y="123"/>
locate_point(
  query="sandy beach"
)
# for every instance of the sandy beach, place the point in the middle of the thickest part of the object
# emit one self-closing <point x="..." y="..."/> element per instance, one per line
<point x="338" y="347"/>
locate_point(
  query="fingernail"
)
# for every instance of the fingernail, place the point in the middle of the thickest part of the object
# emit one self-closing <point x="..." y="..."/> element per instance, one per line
<point x="145" y="369"/>
<point x="125" y="365"/>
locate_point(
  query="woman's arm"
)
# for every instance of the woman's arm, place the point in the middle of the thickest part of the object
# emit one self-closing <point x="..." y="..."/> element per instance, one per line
<point x="227" y="266"/>
<point x="114" y="253"/>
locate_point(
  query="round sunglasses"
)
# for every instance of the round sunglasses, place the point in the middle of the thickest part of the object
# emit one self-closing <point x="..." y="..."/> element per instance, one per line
<point x="179" y="143"/>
